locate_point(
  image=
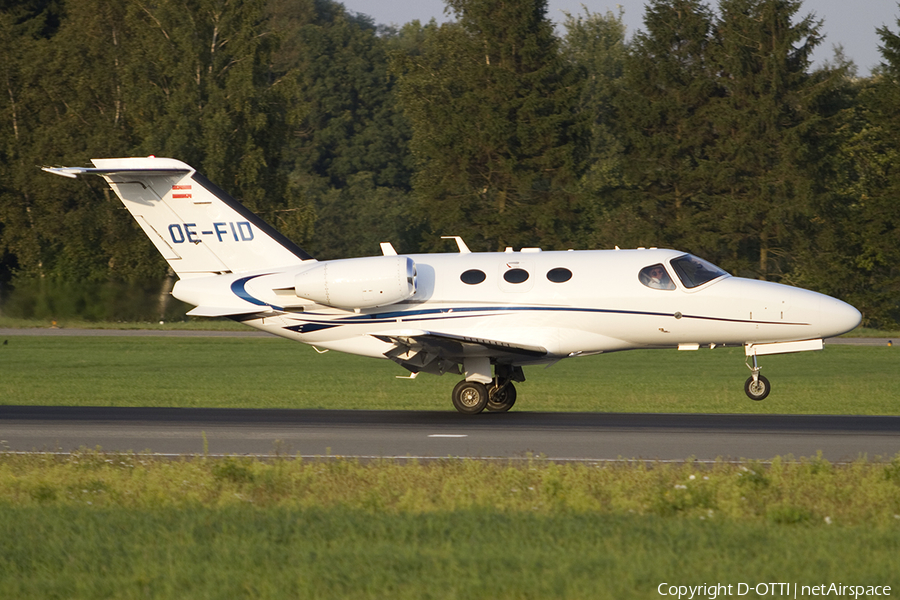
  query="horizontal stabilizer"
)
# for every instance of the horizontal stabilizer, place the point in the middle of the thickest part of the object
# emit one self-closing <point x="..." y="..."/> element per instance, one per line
<point x="74" y="172"/>
<point x="218" y="311"/>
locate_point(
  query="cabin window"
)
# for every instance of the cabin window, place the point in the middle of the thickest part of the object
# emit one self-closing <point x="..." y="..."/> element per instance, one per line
<point x="694" y="272"/>
<point x="516" y="276"/>
<point x="472" y="276"/>
<point x="656" y="277"/>
<point x="559" y="275"/>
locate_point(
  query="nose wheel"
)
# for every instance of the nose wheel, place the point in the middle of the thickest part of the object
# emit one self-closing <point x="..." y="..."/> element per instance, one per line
<point x="757" y="387"/>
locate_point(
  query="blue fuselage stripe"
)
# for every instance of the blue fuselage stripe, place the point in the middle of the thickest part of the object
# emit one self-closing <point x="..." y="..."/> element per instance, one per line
<point x="238" y="289"/>
<point x="435" y="314"/>
<point x="438" y="314"/>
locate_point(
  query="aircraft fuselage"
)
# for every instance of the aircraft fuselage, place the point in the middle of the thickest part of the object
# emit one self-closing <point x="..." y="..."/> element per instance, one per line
<point x="597" y="304"/>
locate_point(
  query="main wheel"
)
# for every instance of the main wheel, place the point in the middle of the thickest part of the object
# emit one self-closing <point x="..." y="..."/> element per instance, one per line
<point x="470" y="397"/>
<point x="502" y="400"/>
<point x="759" y="389"/>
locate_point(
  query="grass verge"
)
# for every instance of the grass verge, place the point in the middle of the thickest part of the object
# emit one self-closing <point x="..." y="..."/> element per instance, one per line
<point x="130" y="526"/>
<point x="190" y="324"/>
<point x="275" y="373"/>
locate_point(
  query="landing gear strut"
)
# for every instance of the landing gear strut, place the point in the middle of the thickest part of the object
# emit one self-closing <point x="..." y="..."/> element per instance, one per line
<point x="498" y="395"/>
<point x="756" y="387"/>
<point x="502" y="395"/>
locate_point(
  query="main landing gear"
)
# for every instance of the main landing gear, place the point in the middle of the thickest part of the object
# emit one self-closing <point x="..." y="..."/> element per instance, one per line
<point x="756" y="387"/>
<point x="498" y="395"/>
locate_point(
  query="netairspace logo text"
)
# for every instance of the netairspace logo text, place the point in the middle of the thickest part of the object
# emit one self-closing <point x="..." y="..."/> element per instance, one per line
<point x="788" y="590"/>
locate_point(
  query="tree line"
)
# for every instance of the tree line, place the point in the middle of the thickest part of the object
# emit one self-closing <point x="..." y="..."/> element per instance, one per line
<point x="708" y="131"/>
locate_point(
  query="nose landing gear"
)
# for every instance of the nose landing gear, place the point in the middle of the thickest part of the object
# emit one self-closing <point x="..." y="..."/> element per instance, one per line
<point x="756" y="387"/>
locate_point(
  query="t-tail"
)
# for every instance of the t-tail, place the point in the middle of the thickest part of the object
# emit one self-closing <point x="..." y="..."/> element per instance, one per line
<point x="199" y="229"/>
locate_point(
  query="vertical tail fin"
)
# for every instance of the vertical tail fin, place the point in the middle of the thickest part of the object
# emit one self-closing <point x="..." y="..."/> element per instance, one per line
<point x="198" y="228"/>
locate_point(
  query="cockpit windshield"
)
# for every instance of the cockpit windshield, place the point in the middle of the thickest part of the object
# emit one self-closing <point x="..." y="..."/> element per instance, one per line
<point x="694" y="272"/>
<point x="656" y="277"/>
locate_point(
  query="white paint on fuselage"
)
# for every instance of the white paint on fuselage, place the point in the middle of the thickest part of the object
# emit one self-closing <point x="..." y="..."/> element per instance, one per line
<point x="603" y="307"/>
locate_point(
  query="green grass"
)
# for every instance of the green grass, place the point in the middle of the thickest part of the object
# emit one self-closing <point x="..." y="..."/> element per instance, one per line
<point x="345" y="554"/>
<point x="867" y="332"/>
<point x="96" y="525"/>
<point x="189" y="324"/>
<point x="271" y="372"/>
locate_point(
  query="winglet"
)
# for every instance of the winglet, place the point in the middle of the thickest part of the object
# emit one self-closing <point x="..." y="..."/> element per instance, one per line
<point x="70" y="172"/>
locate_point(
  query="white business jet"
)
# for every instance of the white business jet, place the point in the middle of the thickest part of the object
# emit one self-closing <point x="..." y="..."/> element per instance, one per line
<point x="481" y="315"/>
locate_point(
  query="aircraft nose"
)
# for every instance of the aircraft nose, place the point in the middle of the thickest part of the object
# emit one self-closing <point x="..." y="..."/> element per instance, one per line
<point x="838" y="317"/>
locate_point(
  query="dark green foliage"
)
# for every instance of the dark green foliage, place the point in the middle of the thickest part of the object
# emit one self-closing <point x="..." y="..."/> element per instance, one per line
<point x="211" y="83"/>
<point x="595" y="46"/>
<point x="771" y="135"/>
<point x="346" y="152"/>
<point x="60" y="299"/>
<point x="498" y="143"/>
<point x="664" y="120"/>
<point x="233" y="470"/>
<point x="344" y="120"/>
<point x="709" y="132"/>
<point x="869" y="231"/>
<point x="725" y="132"/>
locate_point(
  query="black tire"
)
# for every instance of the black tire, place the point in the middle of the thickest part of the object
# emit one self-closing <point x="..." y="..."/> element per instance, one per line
<point x="470" y="397"/>
<point x="501" y="401"/>
<point x="758" y="390"/>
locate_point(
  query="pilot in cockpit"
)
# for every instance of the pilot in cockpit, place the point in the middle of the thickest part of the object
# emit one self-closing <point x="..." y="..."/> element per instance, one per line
<point x="656" y="277"/>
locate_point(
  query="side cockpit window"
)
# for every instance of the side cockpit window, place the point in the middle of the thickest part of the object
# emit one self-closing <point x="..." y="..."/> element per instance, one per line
<point x="694" y="272"/>
<point x="656" y="277"/>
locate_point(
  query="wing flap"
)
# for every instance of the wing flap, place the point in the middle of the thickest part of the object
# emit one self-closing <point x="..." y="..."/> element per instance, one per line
<point x="440" y="353"/>
<point x="452" y="346"/>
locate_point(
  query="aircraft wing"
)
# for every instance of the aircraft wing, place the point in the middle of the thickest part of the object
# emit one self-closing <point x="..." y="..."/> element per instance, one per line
<point x="439" y="353"/>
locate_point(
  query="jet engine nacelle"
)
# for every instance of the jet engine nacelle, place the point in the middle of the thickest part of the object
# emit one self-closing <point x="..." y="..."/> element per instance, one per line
<point x="358" y="282"/>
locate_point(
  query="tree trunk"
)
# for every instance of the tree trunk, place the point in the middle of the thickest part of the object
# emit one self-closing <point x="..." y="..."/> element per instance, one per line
<point x="763" y="255"/>
<point x="165" y="294"/>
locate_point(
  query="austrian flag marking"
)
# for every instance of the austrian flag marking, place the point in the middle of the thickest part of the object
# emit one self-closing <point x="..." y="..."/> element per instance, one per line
<point x="181" y="187"/>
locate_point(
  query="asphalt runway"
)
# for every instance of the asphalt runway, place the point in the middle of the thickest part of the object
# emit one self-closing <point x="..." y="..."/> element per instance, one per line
<point x="430" y="435"/>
